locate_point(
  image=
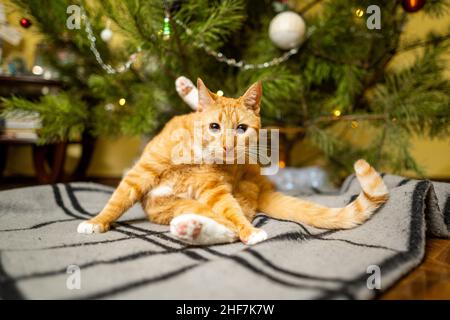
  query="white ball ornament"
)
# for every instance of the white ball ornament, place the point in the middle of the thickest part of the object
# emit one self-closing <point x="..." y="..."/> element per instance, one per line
<point x="106" y="34"/>
<point x="287" y="30"/>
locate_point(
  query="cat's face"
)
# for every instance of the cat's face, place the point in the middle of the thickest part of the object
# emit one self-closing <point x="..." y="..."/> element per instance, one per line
<point x="229" y="127"/>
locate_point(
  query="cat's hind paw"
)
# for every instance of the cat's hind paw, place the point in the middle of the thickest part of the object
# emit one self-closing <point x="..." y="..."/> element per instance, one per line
<point x="196" y="229"/>
<point x="88" y="227"/>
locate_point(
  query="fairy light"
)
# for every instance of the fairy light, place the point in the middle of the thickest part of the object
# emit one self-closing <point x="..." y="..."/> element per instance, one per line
<point x="166" y="28"/>
<point x="122" y="102"/>
<point x="92" y="39"/>
<point x="359" y="12"/>
<point x="219" y="93"/>
<point x="38" y="70"/>
<point x="165" y="33"/>
<point x="336" y="112"/>
<point x="219" y="56"/>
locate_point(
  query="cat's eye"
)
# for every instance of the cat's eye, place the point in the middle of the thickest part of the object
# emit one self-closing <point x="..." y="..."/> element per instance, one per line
<point x="240" y="129"/>
<point x="214" y="127"/>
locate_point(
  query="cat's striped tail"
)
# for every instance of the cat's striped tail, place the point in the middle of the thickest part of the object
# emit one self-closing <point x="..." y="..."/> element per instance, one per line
<point x="374" y="193"/>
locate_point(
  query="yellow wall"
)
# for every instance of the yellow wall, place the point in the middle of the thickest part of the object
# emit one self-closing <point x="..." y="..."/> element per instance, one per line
<point x="111" y="157"/>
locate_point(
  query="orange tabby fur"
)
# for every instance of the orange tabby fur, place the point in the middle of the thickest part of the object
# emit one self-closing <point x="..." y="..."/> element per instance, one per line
<point x="228" y="194"/>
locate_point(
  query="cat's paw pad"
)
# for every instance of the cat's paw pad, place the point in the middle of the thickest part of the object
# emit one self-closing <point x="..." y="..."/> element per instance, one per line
<point x="88" y="227"/>
<point x="257" y="236"/>
<point x="197" y="229"/>
<point x="186" y="229"/>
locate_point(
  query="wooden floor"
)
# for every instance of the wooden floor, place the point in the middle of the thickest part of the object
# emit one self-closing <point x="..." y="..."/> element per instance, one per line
<point x="430" y="280"/>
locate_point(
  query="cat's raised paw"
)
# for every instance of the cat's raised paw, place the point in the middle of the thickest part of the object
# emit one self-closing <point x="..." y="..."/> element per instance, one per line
<point x="256" y="236"/>
<point x="88" y="227"/>
<point x="196" y="229"/>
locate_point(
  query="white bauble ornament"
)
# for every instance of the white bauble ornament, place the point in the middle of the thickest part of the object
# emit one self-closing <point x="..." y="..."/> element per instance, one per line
<point x="287" y="30"/>
<point x="106" y="34"/>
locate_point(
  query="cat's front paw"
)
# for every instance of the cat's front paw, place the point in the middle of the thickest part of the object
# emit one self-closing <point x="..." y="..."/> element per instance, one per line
<point x="253" y="236"/>
<point x="88" y="227"/>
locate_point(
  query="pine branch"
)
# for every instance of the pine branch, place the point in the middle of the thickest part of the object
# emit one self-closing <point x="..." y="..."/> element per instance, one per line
<point x="418" y="44"/>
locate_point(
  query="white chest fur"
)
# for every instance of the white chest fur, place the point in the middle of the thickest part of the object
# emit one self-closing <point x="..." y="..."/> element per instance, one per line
<point x="161" y="191"/>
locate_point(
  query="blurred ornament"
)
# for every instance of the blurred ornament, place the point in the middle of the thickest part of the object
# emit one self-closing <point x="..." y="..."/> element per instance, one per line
<point x="45" y="90"/>
<point x="106" y="34"/>
<point x="187" y="91"/>
<point x="287" y="30"/>
<point x="412" y="5"/>
<point x="25" y="23"/>
<point x="296" y="181"/>
<point x="109" y="107"/>
<point x="49" y="75"/>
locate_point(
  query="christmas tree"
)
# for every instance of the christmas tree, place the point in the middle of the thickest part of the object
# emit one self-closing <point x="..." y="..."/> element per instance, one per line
<point x="334" y="74"/>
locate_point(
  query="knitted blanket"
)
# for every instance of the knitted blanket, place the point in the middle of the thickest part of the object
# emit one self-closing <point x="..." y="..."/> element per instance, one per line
<point x="42" y="256"/>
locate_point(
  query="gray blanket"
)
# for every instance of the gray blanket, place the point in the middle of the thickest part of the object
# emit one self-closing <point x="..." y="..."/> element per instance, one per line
<point x="42" y="256"/>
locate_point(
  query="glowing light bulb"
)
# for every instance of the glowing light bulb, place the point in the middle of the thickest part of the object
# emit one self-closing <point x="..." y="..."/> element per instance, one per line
<point x="219" y="93"/>
<point x="122" y="101"/>
<point x="337" y="112"/>
<point x="37" y="70"/>
<point x="359" y="12"/>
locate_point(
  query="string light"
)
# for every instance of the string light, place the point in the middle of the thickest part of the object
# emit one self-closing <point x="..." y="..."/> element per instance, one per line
<point x="359" y="12"/>
<point x="336" y="112"/>
<point x="122" y="102"/>
<point x="37" y="70"/>
<point x="166" y="28"/>
<point x="165" y="32"/>
<point x="219" y="56"/>
<point x="219" y="93"/>
<point x="91" y="37"/>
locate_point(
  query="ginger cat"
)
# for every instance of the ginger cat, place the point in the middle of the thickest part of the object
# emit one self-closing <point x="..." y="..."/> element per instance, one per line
<point x="209" y="203"/>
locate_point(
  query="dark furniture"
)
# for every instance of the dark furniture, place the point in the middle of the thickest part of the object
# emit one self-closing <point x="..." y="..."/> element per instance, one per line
<point x="48" y="160"/>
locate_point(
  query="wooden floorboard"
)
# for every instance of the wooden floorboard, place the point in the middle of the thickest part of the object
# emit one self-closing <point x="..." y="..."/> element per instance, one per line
<point x="430" y="280"/>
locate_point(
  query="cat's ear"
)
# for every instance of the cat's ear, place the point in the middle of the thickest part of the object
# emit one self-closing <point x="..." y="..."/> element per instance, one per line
<point x="205" y="97"/>
<point x="252" y="97"/>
